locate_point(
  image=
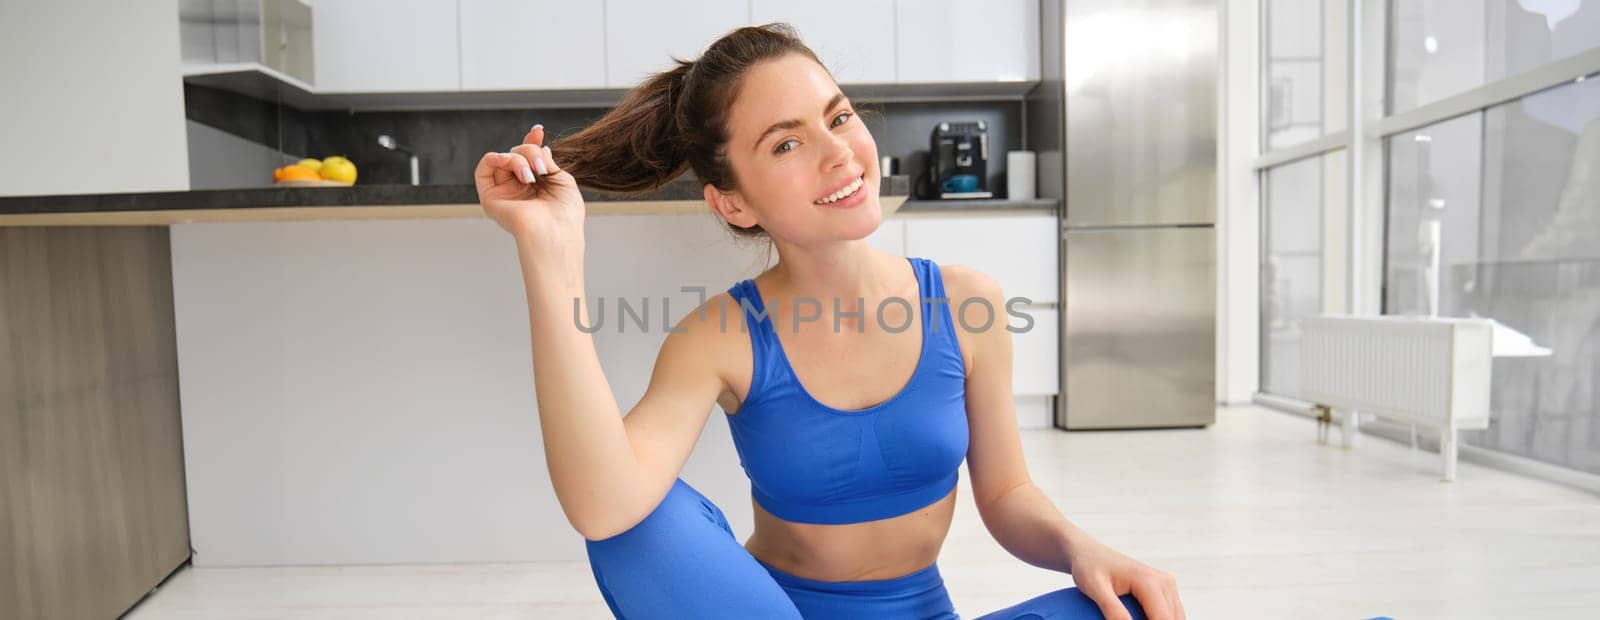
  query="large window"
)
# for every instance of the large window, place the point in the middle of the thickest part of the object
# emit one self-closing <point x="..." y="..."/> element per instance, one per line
<point x="1291" y="268"/>
<point x="1294" y="71"/>
<point x="1434" y="211"/>
<point x="1439" y="48"/>
<point x="1497" y="214"/>
<point x="1478" y="129"/>
<point x="1303" y="68"/>
<point x="1303" y="64"/>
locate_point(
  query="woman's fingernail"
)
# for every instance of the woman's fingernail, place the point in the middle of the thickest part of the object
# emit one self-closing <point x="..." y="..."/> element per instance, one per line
<point x="527" y="175"/>
<point x="538" y="125"/>
<point x="539" y="163"/>
<point x="547" y="152"/>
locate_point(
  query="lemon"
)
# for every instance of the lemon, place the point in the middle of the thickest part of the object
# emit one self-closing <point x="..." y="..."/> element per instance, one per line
<point x="314" y="164"/>
<point x="339" y="169"/>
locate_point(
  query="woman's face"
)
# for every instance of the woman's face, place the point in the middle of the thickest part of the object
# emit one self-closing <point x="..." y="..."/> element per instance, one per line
<point x="796" y="144"/>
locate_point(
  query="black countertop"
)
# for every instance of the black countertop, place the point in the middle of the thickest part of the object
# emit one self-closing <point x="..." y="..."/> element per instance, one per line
<point x="682" y="188"/>
<point x="1044" y="205"/>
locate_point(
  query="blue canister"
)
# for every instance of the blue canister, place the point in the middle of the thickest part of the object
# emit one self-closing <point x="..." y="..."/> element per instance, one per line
<point x="960" y="183"/>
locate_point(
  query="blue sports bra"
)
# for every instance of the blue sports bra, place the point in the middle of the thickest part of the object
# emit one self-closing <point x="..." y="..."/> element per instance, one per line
<point x="811" y="463"/>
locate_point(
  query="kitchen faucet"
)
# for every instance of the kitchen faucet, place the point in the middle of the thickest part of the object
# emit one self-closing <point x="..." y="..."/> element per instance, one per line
<point x="387" y="141"/>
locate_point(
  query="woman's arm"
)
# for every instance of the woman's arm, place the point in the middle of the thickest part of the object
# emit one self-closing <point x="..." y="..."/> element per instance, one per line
<point x="609" y="472"/>
<point x="1016" y="512"/>
<point x="606" y="478"/>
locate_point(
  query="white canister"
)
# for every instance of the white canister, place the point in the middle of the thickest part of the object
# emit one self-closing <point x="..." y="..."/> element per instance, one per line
<point x="1021" y="169"/>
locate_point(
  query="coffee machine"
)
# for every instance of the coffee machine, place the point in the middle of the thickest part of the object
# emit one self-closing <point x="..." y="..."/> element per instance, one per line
<point x="958" y="161"/>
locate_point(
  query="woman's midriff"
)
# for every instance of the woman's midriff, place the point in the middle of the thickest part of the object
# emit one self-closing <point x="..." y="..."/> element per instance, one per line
<point x="868" y="551"/>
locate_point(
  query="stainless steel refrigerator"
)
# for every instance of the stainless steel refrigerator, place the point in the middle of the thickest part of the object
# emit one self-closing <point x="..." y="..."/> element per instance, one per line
<point x="1125" y="125"/>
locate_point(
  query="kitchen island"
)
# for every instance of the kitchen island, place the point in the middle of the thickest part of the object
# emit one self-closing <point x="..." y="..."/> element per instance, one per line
<point x="356" y="384"/>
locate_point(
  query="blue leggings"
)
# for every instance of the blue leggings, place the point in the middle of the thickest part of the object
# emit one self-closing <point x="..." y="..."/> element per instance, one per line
<point x="682" y="561"/>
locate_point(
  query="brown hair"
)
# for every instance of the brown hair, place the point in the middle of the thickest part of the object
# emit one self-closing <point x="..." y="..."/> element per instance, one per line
<point x="676" y="120"/>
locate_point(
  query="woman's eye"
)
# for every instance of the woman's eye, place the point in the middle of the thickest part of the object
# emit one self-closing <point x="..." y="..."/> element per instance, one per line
<point x="778" y="150"/>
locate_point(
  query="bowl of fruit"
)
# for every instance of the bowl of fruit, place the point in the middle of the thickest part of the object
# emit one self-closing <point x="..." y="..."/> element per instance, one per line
<point x="333" y="171"/>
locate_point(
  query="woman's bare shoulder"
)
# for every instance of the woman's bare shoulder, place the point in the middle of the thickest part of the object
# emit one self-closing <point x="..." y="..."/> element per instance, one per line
<point x="962" y="282"/>
<point x="715" y="337"/>
<point x="965" y="288"/>
<point x="707" y="327"/>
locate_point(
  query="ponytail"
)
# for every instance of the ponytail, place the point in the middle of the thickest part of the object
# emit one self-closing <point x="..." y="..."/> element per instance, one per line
<point x="676" y="120"/>
<point x="636" y="147"/>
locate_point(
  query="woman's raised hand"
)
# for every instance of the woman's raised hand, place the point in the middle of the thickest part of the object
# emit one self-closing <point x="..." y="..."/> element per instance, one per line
<point x="529" y="195"/>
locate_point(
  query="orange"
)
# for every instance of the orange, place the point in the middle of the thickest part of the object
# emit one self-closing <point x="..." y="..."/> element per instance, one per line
<point x="295" y="172"/>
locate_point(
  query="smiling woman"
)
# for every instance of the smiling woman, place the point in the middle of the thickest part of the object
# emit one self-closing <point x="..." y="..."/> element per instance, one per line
<point x="853" y="466"/>
<point x="684" y="119"/>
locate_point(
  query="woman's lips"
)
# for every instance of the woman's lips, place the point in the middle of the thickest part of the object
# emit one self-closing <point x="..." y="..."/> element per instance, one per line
<point x="859" y="180"/>
<point x="852" y="201"/>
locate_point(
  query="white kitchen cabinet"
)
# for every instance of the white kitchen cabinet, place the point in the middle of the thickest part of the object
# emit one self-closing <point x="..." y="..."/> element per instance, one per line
<point x="642" y="36"/>
<point x="532" y="44"/>
<point x="1018" y="251"/>
<point x="851" y="36"/>
<point x="964" y="41"/>
<point x="386" y="46"/>
<point x="1035" y="411"/>
<point x="450" y="46"/>
<point x="889" y="237"/>
<point x="1035" y="353"/>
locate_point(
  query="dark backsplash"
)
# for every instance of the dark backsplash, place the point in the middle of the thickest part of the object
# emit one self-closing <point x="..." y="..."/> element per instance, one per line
<point x="450" y="142"/>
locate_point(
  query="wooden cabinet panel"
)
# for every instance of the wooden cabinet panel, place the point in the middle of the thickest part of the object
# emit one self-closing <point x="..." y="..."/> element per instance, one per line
<point x="91" y="462"/>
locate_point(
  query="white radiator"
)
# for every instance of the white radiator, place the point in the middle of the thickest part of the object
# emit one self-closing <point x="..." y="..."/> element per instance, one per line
<point x="1424" y="371"/>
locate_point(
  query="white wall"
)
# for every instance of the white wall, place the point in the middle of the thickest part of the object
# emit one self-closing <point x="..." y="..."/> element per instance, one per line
<point x="1239" y="220"/>
<point x="90" y="98"/>
<point x="361" y="392"/>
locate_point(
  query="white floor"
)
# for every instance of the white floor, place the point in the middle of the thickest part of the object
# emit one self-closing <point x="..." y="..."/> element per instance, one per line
<point x="1254" y="517"/>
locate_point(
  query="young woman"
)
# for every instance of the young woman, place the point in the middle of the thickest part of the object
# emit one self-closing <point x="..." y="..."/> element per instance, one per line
<point x="852" y="436"/>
